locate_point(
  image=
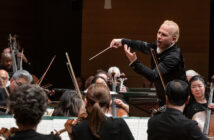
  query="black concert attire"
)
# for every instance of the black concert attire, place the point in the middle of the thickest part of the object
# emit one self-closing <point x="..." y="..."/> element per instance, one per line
<point x="3" y="96"/>
<point x="111" y="129"/>
<point x="170" y="62"/>
<point x="32" y="135"/>
<point x="194" y="108"/>
<point x="173" y="125"/>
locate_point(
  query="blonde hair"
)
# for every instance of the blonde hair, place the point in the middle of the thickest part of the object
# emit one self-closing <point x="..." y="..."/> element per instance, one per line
<point x="176" y="28"/>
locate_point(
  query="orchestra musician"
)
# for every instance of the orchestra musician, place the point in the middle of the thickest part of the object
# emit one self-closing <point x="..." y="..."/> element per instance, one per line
<point x="98" y="125"/>
<point x="7" y="63"/>
<point x="169" y="56"/>
<point x="20" y="55"/>
<point x="70" y="105"/>
<point x="172" y="124"/>
<point x="28" y="104"/>
<point x="198" y="97"/>
<point x="19" y="77"/>
<point x="116" y="71"/>
<point x="4" y="82"/>
<point x="190" y="74"/>
<point x="123" y="108"/>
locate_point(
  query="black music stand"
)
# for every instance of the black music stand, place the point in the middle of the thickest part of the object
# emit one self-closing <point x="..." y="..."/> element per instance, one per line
<point x="142" y="102"/>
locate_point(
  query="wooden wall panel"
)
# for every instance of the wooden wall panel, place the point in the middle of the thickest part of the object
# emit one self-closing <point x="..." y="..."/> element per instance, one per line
<point x="140" y="19"/>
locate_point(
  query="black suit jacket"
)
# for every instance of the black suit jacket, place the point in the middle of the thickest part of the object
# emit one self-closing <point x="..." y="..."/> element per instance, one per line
<point x="173" y="125"/>
<point x="170" y="63"/>
<point x="32" y="135"/>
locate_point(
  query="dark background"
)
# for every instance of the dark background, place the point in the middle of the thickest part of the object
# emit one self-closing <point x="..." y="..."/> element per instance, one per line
<point x="46" y="28"/>
<point x="211" y="60"/>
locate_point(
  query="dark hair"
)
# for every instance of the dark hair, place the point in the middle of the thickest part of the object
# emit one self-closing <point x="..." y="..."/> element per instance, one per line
<point x="28" y="104"/>
<point x="69" y="105"/>
<point x="177" y="92"/>
<point x="100" y="71"/>
<point x="98" y="98"/>
<point x="98" y="77"/>
<point x="196" y="78"/>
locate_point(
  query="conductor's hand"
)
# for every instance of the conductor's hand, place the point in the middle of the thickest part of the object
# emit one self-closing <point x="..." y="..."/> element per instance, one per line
<point x="131" y="56"/>
<point x="116" y="43"/>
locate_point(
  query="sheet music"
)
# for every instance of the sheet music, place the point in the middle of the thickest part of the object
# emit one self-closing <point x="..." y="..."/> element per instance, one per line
<point x="137" y="125"/>
<point x="58" y="124"/>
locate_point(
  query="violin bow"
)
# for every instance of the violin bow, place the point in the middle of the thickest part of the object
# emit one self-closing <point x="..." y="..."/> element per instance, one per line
<point x="43" y="76"/>
<point x="156" y="64"/>
<point x="73" y="76"/>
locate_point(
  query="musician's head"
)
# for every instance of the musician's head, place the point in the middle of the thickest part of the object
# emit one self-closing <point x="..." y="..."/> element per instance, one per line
<point x="190" y="74"/>
<point x="177" y="92"/>
<point x="4" y="82"/>
<point x="102" y="73"/>
<point x="114" y="71"/>
<point x="198" y="87"/>
<point x="168" y="34"/>
<point x="7" y="61"/>
<point x="99" y="80"/>
<point x="20" y="77"/>
<point x="6" y="50"/>
<point x="28" y="104"/>
<point x="70" y="104"/>
<point x="98" y="100"/>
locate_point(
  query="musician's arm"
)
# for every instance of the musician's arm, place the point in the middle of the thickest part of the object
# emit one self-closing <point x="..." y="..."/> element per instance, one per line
<point x="138" y="45"/>
<point x="166" y="65"/>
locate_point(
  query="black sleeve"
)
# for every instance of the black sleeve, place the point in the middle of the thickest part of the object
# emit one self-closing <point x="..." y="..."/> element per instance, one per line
<point x="195" y="132"/>
<point x="138" y="45"/>
<point x="165" y="66"/>
<point x="126" y="133"/>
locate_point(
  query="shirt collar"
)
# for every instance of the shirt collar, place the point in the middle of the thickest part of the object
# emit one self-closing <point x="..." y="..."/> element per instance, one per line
<point x="159" y="50"/>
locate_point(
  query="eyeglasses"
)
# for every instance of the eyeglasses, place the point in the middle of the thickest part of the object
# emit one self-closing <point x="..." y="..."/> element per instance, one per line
<point x="4" y="78"/>
<point x="18" y="83"/>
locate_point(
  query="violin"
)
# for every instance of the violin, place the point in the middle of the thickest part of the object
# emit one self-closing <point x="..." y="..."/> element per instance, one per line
<point x="70" y="123"/>
<point x="6" y="132"/>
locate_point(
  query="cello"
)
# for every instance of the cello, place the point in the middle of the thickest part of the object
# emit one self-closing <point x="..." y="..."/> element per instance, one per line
<point x="209" y="120"/>
<point x="205" y="118"/>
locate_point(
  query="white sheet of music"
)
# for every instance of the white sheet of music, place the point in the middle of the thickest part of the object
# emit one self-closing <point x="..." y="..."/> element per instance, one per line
<point x="137" y="125"/>
<point x="58" y="124"/>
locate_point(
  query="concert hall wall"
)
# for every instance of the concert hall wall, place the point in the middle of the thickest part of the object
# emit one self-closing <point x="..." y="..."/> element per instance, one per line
<point x="140" y="20"/>
<point x="84" y="27"/>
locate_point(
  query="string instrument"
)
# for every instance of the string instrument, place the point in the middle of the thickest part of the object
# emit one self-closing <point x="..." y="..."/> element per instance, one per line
<point x="122" y="78"/>
<point x="71" y="122"/>
<point x="38" y="82"/>
<point x="6" y="132"/>
<point x="114" y="107"/>
<point x="12" y="50"/>
<point x="205" y="118"/>
<point x="209" y="120"/>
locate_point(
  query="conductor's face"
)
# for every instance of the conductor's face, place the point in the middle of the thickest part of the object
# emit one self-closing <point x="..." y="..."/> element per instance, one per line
<point x="165" y="37"/>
